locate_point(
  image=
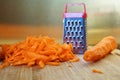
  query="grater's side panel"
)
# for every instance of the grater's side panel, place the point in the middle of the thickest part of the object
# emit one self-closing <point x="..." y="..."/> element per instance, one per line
<point x="75" y="33"/>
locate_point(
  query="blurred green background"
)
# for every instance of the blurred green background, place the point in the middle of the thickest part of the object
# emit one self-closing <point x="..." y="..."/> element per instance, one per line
<point x="103" y="16"/>
<point x="101" y="13"/>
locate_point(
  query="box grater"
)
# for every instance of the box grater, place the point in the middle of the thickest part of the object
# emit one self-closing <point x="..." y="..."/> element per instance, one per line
<point x="75" y="28"/>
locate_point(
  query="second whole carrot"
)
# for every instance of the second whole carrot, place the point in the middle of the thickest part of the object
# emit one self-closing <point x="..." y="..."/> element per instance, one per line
<point x="101" y="49"/>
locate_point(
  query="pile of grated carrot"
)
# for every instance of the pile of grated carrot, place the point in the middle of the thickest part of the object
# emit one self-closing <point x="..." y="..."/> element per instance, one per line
<point x="41" y="51"/>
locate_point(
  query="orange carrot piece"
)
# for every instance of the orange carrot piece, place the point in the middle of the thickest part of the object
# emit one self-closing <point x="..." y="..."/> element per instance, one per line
<point x="97" y="71"/>
<point x="75" y="59"/>
<point x="53" y="63"/>
<point x="100" y="50"/>
<point x="41" y="64"/>
<point x="39" y="51"/>
<point x="4" y="65"/>
<point x="53" y="57"/>
<point x="31" y="63"/>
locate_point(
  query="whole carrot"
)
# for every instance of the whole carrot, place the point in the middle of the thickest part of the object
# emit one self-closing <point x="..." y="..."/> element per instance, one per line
<point x="101" y="49"/>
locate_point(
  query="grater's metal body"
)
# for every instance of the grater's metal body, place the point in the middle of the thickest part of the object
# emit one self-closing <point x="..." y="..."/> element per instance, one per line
<point x="75" y="29"/>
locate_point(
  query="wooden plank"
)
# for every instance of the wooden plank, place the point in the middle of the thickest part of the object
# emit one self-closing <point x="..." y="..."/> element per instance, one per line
<point x="16" y="73"/>
<point x="110" y="66"/>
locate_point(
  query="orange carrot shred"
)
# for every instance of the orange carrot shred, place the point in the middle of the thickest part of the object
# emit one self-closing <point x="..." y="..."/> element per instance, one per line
<point x="53" y="63"/>
<point x="39" y="51"/>
<point x="41" y="64"/>
<point x="97" y="71"/>
<point x="75" y="60"/>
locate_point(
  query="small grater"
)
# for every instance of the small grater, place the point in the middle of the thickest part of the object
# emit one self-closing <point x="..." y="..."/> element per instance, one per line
<point x="75" y="28"/>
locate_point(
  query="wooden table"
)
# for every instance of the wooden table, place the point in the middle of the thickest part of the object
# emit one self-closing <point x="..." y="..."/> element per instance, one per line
<point x="110" y="66"/>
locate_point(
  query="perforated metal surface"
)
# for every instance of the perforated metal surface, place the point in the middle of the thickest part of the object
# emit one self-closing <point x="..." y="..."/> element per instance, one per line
<point x="75" y="33"/>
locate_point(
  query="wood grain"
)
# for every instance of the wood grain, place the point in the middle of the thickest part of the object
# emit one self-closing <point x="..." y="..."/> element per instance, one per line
<point x="110" y="66"/>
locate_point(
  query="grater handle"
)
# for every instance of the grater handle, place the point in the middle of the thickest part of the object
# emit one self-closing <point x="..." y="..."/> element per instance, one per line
<point x="76" y="4"/>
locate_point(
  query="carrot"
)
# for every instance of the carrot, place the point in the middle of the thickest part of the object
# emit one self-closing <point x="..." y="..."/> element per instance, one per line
<point x="41" y="64"/>
<point x="53" y="63"/>
<point x="31" y="63"/>
<point x="4" y="65"/>
<point x="75" y="59"/>
<point x="97" y="71"/>
<point x="39" y="51"/>
<point x="100" y="50"/>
